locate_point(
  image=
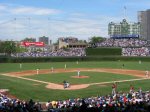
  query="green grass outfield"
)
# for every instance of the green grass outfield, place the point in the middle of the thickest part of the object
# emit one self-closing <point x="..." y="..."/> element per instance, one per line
<point x="24" y="89"/>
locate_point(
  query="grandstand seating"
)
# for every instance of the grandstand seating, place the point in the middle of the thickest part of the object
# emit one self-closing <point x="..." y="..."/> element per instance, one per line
<point x="137" y="101"/>
<point x="130" y="47"/>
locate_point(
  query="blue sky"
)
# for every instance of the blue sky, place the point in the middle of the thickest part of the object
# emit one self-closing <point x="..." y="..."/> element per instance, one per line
<point x="61" y="18"/>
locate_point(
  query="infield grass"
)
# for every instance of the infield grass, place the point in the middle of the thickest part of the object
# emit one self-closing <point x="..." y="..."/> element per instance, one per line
<point x="94" y="77"/>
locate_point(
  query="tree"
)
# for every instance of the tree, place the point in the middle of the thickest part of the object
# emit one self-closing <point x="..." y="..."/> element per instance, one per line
<point x="1" y="47"/>
<point x="96" y="39"/>
<point x="21" y="49"/>
<point x="82" y="41"/>
<point x="8" y="47"/>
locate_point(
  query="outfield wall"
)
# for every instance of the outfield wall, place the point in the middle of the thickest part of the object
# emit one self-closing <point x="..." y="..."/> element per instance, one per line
<point x="71" y="59"/>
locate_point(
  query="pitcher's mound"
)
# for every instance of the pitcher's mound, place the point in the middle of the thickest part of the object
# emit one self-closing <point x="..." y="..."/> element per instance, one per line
<point x="80" y="77"/>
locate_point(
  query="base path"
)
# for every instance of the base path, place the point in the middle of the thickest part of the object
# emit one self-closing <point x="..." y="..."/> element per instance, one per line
<point x="80" y="77"/>
<point x="50" y="85"/>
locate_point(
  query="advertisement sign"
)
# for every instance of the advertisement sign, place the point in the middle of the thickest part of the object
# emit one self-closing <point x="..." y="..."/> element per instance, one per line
<point x="38" y="44"/>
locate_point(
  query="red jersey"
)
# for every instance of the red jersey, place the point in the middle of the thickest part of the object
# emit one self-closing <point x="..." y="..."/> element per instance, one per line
<point x="114" y="86"/>
<point x="131" y="88"/>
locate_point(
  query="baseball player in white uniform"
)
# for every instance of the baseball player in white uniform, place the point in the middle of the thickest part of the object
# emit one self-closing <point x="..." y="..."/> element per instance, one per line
<point x="37" y="71"/>
<point x="65" y="66"/>
<point x="147" y="73"/>
<point x="77" y="62"/>
<point x="52" y="69"/>
<point x="140" y="62"/>
<point x="20" y="65"/>
<point x="78" y="73"/>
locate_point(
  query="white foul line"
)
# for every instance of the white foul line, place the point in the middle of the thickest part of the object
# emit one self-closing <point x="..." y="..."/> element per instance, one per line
<point x="119" y="81"/>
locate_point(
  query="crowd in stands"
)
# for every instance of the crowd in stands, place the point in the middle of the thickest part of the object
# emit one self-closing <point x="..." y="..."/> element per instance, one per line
<point x="130" y="47"/>
<point x="16" y="105"/>
<point x="133" y="101"/>
<point x="122" y="43"/>
<point x="142" y="51"/>
<point x="60" y="52"/>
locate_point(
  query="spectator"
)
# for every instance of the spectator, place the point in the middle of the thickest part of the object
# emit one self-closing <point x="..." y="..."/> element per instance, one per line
<point x="60" y="52"/>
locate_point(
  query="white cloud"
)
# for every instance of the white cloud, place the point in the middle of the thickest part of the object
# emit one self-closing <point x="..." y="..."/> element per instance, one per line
<point x="27" y="10"/>
<point x="82" y="28"/>
<point x="2" y="7"/>
<point x="34" y="11"/>
<point x="77" y="15"/>
<point x="78" y="25"/>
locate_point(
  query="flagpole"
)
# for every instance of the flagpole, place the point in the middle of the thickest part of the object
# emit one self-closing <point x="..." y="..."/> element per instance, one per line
<point x="125" y="12"/>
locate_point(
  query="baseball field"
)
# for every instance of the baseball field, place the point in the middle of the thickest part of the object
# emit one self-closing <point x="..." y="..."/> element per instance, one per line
<point x="96" y="78"/>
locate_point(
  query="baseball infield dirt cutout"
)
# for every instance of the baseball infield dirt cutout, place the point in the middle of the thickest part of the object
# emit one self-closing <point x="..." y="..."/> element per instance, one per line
<point x="140" y="74"/>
